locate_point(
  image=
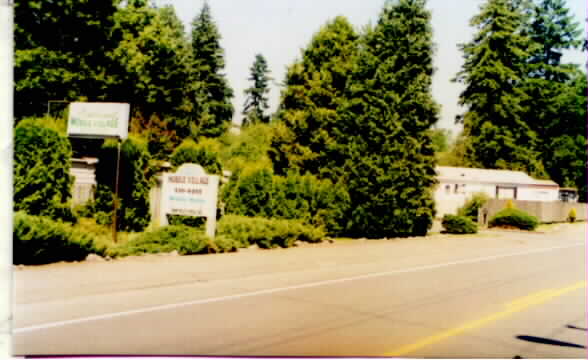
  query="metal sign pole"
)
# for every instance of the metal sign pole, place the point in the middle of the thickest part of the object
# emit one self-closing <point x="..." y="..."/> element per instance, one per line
<point x="115" y="199"/>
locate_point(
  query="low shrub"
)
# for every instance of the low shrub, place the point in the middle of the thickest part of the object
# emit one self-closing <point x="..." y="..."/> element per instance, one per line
<point x="61" y="212"/>
<point x="515" y="218"/>
<point x="472" y="206"/>
<point x="184" y="239"/>
<point x="223" y="244"/>
<point x="572" y="215"/>
<point x="192" y="221"/>
<point x="267" y="233"/>
<point x="459" y="225"/>
<point x="101" y="234"/>
<point x="84" y="210"/>
<point x="39" y="240"/>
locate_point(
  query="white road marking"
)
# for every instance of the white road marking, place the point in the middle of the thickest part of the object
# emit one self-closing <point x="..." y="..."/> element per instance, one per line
<point x="286" y="288"/>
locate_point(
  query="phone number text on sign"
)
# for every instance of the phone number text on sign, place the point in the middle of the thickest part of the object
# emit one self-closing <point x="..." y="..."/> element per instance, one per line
<point x="188" y="191"/>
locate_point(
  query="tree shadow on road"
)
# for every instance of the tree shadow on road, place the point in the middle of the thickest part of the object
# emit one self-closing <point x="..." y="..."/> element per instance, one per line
<point x="547" y="341"/>
<point x="576" y="328"/>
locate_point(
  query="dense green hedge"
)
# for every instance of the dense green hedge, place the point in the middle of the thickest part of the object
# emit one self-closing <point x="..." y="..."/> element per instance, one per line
<point x="317" y="202"/>
<point x="202" y="153"/>
<point x="257" y="192"/>
<point x="514" y="217"/>
<point x="42" y="180"/>
<point x="267" y="233"/>
<point x="134" y="185"/>
<point x="249" y="193"/>
<point x="40" y="240"/>
<point x="459" y="225"/>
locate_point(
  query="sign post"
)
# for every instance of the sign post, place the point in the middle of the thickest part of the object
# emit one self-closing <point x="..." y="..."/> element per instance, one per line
<point x="115" y="198"/>
<point x="101" y="121"/>
<point x="190" y="192"/>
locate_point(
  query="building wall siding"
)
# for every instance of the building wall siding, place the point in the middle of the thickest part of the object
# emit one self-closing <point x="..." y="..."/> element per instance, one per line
<point x="447" y="202"/>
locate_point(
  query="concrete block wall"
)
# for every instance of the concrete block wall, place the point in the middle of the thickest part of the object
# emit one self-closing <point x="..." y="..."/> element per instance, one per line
<point x="546" y="212"/>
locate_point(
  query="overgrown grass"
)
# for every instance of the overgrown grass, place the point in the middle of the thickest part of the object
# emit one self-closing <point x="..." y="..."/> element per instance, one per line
<point x="102" y="234"/>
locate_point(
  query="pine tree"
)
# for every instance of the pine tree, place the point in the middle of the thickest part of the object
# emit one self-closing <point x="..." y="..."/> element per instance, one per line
<point x="256" y="102"/>
<point x="213" y="111"/>
<point x="306" y="139"/>
<point x="556" y="89"/>
<point x="495" y="123"/>
<point x="564" y="148"/>
<point x="390" y="159"/>
<point x="554" y="30"/>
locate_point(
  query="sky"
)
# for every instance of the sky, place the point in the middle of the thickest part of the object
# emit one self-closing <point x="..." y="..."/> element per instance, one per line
<point x="280" y="29"/>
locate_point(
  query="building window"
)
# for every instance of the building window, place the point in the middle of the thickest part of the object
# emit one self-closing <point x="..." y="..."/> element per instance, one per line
<point x="506" y="192"/>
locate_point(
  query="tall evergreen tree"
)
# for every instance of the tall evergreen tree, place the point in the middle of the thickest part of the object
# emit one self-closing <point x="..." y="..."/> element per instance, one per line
<point x="212" y="109"/>
<point x="256" y="103"/>
<point x="564" y="148"/>
<point x="306" y="139"/>
<point x="554" y="30"/>
<point x="557" y="114"/>
<point x="495" y="123"/>
<point x="390" y="159"/>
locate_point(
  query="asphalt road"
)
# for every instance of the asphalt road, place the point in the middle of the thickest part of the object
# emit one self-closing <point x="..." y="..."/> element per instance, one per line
<point x="497" y="294"/>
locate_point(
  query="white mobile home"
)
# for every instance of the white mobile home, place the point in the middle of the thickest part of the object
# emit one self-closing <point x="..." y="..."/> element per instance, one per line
<point x="84" y="172"/>
<point x="456" y="185"/>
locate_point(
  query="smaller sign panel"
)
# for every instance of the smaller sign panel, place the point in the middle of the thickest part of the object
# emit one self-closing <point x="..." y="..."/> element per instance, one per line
<point x="190" y="192"/>
<point x="98" y="120"/>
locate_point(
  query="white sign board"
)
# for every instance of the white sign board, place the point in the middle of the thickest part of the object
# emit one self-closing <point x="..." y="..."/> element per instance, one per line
<point x="190" y="192"/>
<point x="98" y="120"/>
